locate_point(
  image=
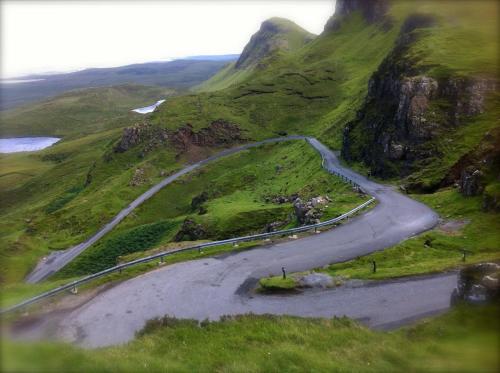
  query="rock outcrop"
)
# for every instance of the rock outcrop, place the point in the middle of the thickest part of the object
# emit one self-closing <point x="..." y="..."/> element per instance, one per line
<point x="478" y="283"/>
<point x="190" y="231"/>
<point x="309" y="212"/>
<point x="371" y="10"/>
<point x="219" y="133"/>
<point x="148" y="135"/>
<point x="470" y="182"/>
<point x="405" y="109"/>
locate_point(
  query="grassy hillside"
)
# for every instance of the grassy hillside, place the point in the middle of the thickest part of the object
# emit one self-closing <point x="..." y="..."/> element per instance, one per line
<point x="315" y="89"/>
<point x="83" y="189"/>
<point x="463" y="340"/>
<point x="234" y="199"/>
<point x="77" y="113"/>
<point x="276" y="37"/>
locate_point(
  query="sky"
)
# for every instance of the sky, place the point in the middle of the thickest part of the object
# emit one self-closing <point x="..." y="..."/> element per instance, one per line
<point x="58" y="36"/>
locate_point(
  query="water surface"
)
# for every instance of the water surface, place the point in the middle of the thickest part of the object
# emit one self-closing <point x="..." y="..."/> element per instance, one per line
<point x="149" y="109"/>
<point x="26" y="144"/>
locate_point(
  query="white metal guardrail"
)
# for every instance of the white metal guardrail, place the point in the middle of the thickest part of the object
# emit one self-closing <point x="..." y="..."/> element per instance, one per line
<point x="162" y="255"/>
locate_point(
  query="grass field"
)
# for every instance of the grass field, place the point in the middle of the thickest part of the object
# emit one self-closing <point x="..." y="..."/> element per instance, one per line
<point x="464" y="340"/>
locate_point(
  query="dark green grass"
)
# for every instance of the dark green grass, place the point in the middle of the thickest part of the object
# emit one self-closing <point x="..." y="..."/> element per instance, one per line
<point x="106" y="253"/>
<point x="463" y="340"/>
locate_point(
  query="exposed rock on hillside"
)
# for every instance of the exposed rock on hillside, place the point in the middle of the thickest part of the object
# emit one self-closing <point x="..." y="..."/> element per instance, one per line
<point x="275" y="34"/>
<point x="405" y="109"/>
<point x="479" y="170"/>
<point x="478" y="283"/>
<point x="220" y="132"/>
<point x="190" y="231"/>
<point x="138" y="178"/>
<point x="309" y="212"/>
<point x="147" y="134"/>
<point x="372" y="11"/>
<point x="470" y="182"/>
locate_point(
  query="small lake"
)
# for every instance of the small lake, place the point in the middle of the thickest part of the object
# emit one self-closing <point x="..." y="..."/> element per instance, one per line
<point x="149" y="109"/>
<point x="26" y="144"/>
<point x="19" y="81"/>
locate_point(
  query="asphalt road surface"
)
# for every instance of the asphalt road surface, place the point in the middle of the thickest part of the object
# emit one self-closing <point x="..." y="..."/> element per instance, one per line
<point x="212" y="287"/>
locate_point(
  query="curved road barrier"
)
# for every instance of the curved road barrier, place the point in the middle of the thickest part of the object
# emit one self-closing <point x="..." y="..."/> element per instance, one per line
<point x="59" y="259"/>
<point x="50" y="266"/>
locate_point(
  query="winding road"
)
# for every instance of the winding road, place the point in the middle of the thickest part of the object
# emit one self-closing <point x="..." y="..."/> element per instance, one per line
<point x="212" y="287"/>
<point x="58" y="259"/>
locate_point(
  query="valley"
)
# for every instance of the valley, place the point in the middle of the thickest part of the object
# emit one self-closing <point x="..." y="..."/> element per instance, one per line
<point x="398" y="98"/>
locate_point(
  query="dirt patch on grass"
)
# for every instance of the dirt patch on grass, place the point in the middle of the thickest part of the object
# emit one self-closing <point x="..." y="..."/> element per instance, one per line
<point x="452" y="227"/>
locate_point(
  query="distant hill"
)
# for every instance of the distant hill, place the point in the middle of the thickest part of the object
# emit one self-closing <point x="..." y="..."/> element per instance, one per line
<point x="178" y="74"/>
<point x="216" y="57"/>
<point x="276" y="36"/>
<point x="81" y="112"/>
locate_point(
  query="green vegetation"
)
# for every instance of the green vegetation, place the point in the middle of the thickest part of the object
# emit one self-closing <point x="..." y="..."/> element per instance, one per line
<point x="466" y="227"/>
<point x="81" y="112"/>
<point x="277" y="37"/>
<point x="106" y="252"/>
<point x="277" y="284"/>
<point x="238" y="192"/>
<point x="463" y="340"/>
<point x="62" y="200"/>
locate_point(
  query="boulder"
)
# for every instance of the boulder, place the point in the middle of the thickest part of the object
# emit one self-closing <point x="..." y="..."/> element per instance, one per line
<point x="190" y="231"/>
<point x="309" y="212"/>
<point x="478" y="283"/>
<point x="316" y="280"/>
<point x="470" y="182"/>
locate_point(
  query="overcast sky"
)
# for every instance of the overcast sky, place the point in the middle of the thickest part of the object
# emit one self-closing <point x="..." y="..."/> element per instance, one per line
<point x="39" y="36"/>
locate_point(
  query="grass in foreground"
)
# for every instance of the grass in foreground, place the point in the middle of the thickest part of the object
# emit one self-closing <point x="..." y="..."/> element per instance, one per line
<point x="464" y="340"/>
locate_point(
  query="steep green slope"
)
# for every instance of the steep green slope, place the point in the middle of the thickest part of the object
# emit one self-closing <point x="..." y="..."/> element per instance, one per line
<point x="276" y="37"/>
<point x="434" y="99"/>
<point x="81" y="112"/>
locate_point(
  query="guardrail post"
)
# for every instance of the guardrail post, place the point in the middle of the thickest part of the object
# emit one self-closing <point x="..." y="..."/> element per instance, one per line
<point x="374" y="263"/>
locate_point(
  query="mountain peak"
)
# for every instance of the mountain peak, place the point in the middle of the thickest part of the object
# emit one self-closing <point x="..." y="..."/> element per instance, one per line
<point x="275" y="34"/>
<point x="371" y="10"/>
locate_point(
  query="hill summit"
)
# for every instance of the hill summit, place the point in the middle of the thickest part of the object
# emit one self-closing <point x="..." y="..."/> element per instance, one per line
<point x="275" y="34"/>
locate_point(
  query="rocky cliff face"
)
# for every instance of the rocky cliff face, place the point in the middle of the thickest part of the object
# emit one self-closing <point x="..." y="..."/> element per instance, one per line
<point x="405" y="110"/>
<point x="148" y="137"/>
<point x="219" y="133"/>
<point x="371" y="10"/>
